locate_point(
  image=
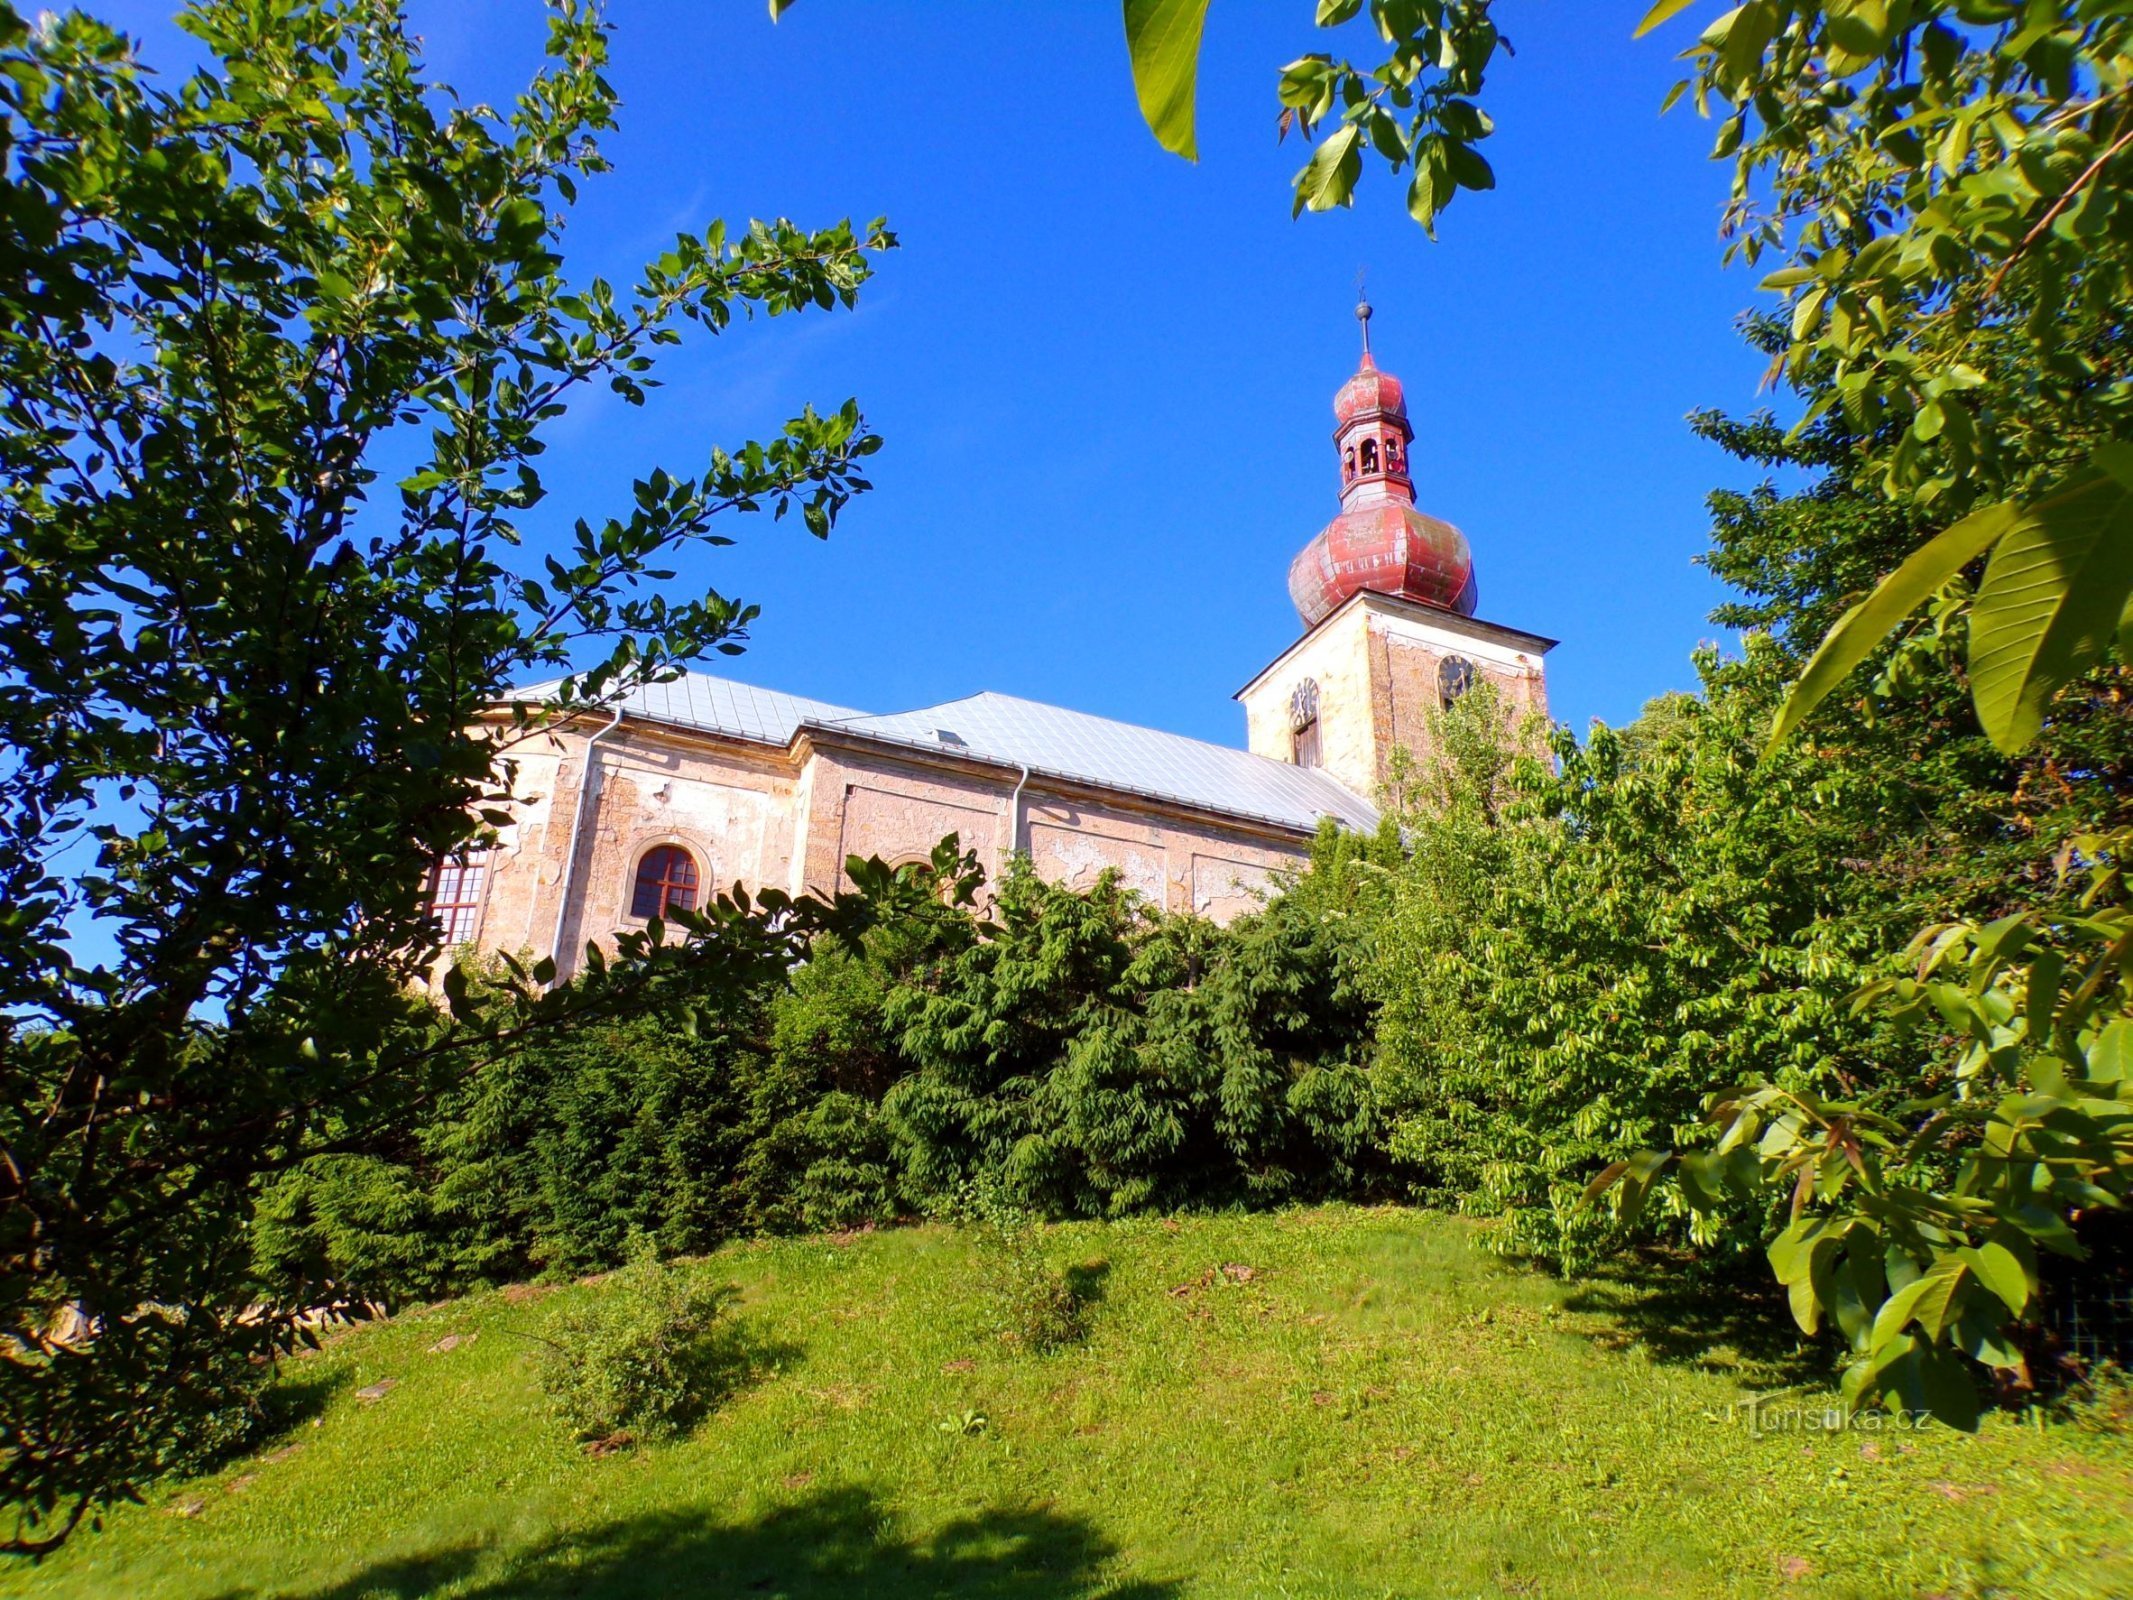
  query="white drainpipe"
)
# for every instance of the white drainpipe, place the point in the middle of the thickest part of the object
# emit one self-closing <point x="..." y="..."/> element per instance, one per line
<point x="1014" y="818"/>
<point x="586" y="787"/>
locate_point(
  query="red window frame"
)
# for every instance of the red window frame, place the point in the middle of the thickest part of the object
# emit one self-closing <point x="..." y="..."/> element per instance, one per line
<point x="666" y="881"/>
<point x="458" y="886"/>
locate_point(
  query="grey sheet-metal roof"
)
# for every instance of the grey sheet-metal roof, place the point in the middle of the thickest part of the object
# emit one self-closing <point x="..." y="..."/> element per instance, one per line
<point x="698" y="700"/>
<point x="999" y="728"/>
<point x="1118" y="755"/>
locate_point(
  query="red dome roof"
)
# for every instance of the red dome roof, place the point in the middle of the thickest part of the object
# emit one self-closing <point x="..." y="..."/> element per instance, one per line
<point x="1369" y="390"/>
<point x="1387" y="547"/>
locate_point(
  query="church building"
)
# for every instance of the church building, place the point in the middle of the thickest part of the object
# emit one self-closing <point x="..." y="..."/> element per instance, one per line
<point x="691" y="786"/>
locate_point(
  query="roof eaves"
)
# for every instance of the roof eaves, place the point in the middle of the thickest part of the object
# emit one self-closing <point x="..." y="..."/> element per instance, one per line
<point x="1451" y="621"/>
<point x="975" y="758"/>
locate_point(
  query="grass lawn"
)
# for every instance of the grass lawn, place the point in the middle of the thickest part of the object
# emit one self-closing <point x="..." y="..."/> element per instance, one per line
<point x="1374" y="1408"/>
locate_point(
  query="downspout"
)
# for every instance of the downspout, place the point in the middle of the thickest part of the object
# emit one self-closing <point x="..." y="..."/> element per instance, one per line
<point x="1014" y="817"/>
<point x="570" y="857"/>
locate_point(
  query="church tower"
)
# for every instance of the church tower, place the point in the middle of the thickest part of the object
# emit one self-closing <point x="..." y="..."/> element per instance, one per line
<point x="1387" y="596"/>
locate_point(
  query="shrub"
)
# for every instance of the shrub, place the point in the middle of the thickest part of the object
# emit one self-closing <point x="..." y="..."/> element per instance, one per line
<point x="1034" y="1303"/>
<point x="1077" y="1050"/>
<point x="1579" y="952"/>
<point x="644" y="1354"/>
<point x="1092" y="1056"/>
<point x="352" y="1219"/>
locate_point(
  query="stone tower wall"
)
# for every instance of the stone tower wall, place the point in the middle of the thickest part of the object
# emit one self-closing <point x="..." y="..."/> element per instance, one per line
<point x="1376" y="662"/>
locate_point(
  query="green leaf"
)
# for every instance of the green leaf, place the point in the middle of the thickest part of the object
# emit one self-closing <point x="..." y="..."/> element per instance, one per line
<point x="1753" y="26"/>
<point x="1605" y="1181"/>
<point x="1857" y="1290"/>
<point x="1791" y="1252"/>
<point x="1468" y="167"/>
<point x="1328" y="179"/>
<point x="1860" y="630"/>
<point x="1890" y="1367"/>
<point x="2111" y="1056"/>
<point x="1895" y="1313"/>
<point x="1947" y="1389"/>
<point x="1163" y="38"/>
<point x="1646" y="1165"/>
<point x="1942" y="1292"/>
<point x="1998" y="1270"/>
<point x="1979" y="1334"/>
<point x="1860" y="30"/>
<point x="1702" y="1175"/>
<point x="2053" y="596"/>
<point x="1425" y="195"/>
<point x="1806" y="1305"/>
<point x="1661" y="14"/>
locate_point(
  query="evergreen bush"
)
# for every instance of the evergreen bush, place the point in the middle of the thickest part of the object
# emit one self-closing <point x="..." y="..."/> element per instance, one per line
<point x="647" y="1356"/>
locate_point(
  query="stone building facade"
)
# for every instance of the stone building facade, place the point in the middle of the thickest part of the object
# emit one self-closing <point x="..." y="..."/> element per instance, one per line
<point x="692" y="786"/>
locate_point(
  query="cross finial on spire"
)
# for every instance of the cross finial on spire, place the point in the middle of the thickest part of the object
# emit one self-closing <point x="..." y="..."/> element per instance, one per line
<point x="1362" y="312"/>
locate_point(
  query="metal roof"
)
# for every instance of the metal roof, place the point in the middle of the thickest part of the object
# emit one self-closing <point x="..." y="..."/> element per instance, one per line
<point x="698" y="700"/>
<point x="1022" y="733"/>
<point x="1119" y="755"/>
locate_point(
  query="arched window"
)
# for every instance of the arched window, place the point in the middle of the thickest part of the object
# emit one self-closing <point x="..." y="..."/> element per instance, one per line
<point x="666" y="881"/>
<point x="1392" y="455"/>
<point x="457" y="885"/>
<point x="1370" y="455"/>
<point x="1350" y="459"/>
<point x="1455" y="675"/>
<point x="1303" y="724"/>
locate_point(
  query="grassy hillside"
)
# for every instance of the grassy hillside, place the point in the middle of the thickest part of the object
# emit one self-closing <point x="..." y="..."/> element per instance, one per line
<point x="1362" y="1405"/>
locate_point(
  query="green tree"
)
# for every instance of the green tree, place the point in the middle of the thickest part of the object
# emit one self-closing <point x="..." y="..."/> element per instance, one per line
<point x="1087" y="1055"/>
<point x="1945" y="185"/>
<point x="279" y="343"/>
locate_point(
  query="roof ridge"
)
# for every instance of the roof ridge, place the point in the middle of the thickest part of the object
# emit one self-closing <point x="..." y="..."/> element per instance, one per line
<point x="1098" y="716"/>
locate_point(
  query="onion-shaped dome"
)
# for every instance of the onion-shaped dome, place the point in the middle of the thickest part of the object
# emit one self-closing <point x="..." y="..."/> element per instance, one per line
<point x="1369" y="391"/>
<point x="1387" y="547"/>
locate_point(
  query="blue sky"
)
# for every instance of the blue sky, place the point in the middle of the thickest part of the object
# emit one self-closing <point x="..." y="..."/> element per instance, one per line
<point x="1104" y="375"/>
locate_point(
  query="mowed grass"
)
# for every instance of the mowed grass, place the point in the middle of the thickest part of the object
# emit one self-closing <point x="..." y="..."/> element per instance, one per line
<point x="1364" y="1404"/>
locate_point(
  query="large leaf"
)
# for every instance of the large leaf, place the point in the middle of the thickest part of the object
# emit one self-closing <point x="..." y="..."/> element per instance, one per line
<point x="1328" y="178"/>
<point x="2053" y="596"/>
<point x="1942" y="1295"/>
<point x="1664" y="12"/>
<point x="1947" y="1389"/>
<point x="1999" y="1270"/>
<point x="1163" y="37"/>
<point x="1861" y="629"/>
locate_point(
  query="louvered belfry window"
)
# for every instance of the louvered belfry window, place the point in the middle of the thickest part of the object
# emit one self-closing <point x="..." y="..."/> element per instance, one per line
<point x="456" y="887"/>
<point x="666" y="881"/>
<point x="1303" y="724"/>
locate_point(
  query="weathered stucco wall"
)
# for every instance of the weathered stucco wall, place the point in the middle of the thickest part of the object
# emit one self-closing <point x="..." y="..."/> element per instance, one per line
<point x="1376" y="665"/>
<point x="1175" y="862"/>
<point x="867" y="804"/>
<point x="757" y="815"/>
<point x="514" y="887"/>
<point x="1337" y="658"/>
<point x="874" y="803"/>
<point x="1406" y="691"/>
<point x="730" y="804"/>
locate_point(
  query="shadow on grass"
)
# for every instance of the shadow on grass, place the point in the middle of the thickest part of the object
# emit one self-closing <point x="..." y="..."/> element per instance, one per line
<point x="837" y="1542"/>
<point x="736" y="1357"/>
<point x="292" y="1397"/>
<point x="1690" y="1313"/>
<point x="1086" y="1282"/>
<point x="298" y="1394"/>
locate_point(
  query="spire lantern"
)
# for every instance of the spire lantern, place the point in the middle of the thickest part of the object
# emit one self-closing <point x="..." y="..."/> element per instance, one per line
<point x="1379" y="541"/>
